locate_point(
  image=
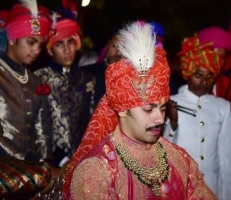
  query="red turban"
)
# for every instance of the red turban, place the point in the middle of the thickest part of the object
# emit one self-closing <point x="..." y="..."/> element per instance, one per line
<point x="24" y="22"/>
<point x="126" y="88"/>
<point x="63" y="29"/>
<point x="194" y="55"/>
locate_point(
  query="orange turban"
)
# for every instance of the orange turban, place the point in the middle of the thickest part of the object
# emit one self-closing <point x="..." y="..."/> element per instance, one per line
<point x="27" y="19"/>
<point x="63" y="29"/>
<point x="194" y="55"/>
<point x="140" y="78"/>
<point x="64" y="24"/>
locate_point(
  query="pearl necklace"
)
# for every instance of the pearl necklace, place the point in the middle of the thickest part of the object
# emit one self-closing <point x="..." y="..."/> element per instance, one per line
<point x="21" y="78"/>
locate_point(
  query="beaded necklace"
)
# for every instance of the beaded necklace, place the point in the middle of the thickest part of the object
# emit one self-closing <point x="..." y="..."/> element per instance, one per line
<point x="152" y="177"/>
<point x="21" y="78"/>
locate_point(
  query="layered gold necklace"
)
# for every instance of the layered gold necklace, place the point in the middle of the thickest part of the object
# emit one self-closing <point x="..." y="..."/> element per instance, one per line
<point x="153" y="176"/>
<point x="21" y="78"/>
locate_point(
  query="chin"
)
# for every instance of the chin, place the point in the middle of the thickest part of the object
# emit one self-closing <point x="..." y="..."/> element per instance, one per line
<point x="202" y="94"/>
<point x="153" y="140"/>
<point x="68" y="63"/>
<point x="27" y="63"/>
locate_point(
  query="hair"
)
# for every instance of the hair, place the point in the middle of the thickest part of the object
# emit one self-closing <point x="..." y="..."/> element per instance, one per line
<point x="128" y="112"/>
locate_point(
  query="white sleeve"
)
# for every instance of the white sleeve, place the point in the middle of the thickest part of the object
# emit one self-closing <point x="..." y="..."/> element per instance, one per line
<point x="224" y="153"/>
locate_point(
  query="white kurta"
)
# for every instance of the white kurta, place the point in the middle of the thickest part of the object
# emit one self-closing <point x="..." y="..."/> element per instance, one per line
<point x="206" y="137"/>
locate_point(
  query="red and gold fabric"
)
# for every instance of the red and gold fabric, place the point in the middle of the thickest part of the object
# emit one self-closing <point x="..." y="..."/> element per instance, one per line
<point x="103" y="175"/>
<point x="194" y="55"/>
<point x="19" y="177"/>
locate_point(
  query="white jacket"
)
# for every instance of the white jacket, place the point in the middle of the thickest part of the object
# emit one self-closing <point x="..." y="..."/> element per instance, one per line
<point x="206" y="137"/>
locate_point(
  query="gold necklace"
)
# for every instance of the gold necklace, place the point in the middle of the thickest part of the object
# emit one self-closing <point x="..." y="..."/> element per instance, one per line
<point x="152" y="177"/>
<point x="21" y="78"/>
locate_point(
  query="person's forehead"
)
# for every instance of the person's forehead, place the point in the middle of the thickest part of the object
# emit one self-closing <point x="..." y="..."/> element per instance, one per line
<point x="66" y="39"/>
<point x="37" y="38"/>
<point x="160" y="102"/>
<point x="203" y="70"/>
<point x="113" y="41"/>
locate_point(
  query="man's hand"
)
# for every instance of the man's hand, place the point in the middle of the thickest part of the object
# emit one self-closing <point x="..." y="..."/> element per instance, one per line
<point x="54" y="188"/>
<point x="172" y="113"/>
<point x="55" y="171"/>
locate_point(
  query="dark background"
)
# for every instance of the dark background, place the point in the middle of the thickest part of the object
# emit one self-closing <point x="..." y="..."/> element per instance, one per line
<point x="180" y="18"/>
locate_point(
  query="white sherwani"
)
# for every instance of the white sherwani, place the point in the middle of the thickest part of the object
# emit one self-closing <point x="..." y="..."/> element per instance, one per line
<point x="206" y="137"/>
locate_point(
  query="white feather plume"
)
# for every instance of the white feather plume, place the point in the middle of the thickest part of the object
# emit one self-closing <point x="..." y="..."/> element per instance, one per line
<point x="32" y="6"/>
<point x="138" y="45"/>
<point x="54" y="20"/>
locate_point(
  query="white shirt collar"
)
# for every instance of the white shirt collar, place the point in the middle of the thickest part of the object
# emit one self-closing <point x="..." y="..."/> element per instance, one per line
<point x="66" y="70"/>
<point x="191" y="96"/>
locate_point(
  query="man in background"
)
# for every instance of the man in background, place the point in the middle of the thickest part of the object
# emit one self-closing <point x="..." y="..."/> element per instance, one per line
<point x="221" y="42"/>
<point x="25" y="141"/>
<point x="25" y="132"/>
<point x="200" y="122"/>
<point x="71" y="100"/>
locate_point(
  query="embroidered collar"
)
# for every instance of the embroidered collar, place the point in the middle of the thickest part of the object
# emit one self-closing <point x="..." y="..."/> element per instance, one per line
<point x="65" y="70"/>
<point x="191" y="97"/>
<point x="133" y="144"/>
<point x="59" y="68"/>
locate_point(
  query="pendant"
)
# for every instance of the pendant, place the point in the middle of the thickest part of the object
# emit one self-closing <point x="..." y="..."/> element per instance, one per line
<point x="156" y="189"/>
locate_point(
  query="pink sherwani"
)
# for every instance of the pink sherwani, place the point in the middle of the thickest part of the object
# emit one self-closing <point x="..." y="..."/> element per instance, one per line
<point x="102" y="175"/>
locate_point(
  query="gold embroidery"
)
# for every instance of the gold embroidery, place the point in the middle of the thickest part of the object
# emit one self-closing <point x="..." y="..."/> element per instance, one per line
<point x="141" y="87"/>
<point x="91" y="180"/>
<point x="175" y="156"/>
<point x="188" y="171"/>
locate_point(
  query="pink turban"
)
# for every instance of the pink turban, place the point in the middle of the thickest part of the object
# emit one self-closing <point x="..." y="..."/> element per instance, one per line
<point x="22" y="23"/>
<point x="220" y="37"/>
